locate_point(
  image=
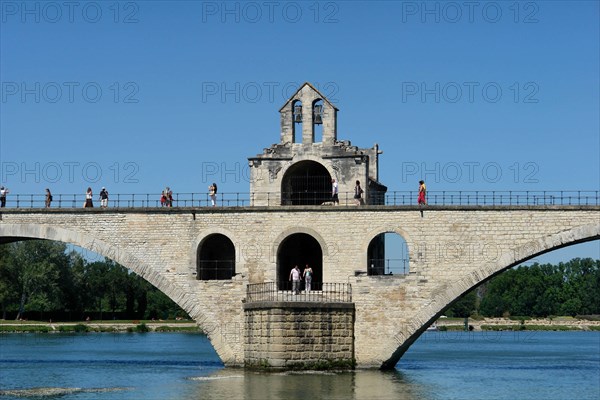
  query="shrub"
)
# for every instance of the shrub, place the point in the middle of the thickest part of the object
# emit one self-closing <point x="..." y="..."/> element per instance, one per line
<point x="142" y="328"/>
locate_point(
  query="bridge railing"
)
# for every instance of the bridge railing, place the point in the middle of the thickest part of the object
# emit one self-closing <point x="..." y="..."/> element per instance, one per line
<point x="324" y="292"/>
<point x="242" y="199"/>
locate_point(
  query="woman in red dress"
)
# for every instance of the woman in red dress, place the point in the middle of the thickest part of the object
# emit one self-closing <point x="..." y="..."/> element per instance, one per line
<point x="422" y="193"/>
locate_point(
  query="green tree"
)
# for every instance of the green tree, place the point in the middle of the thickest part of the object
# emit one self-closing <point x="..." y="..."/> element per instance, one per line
<point x="541" y="290"/>
<point x="8" y="275"/>
<point x="38" y="265"/>
<point x="465" y="306"/>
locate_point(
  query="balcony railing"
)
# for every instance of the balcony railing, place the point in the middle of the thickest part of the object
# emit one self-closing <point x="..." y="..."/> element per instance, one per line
<point x="397" y="198"/>
<point x="323" y="292"/>
<point x="215" y="269"/>
<point x="388" y="266"/>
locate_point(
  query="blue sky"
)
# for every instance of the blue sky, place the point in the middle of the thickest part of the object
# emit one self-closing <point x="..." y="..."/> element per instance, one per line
<point x="136" y="95"/>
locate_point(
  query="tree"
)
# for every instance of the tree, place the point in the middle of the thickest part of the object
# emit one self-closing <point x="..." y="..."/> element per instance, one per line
<point x="569" y="288"/>
<point x="38" y="265"/>
<point x="8" y="292"/>
<point x="465" y="306"/>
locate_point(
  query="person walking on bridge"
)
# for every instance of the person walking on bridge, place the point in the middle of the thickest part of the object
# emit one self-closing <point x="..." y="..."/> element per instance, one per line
<point x="48" y="198"/>
<point x="3" y="193"/>
<point x="212" y="192"/>
<point x="334" y="193"/>
<point x="422" y="192"/>
<point x="104" y="198"/>
<point x="88" y="199"/>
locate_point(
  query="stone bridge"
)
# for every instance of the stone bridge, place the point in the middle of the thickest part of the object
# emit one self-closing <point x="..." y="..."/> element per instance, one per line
<point x="451" y="248"/>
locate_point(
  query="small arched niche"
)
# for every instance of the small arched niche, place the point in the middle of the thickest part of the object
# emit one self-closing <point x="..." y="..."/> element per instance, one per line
<point x="387" y="254"/>
<point x="215" y="258"/>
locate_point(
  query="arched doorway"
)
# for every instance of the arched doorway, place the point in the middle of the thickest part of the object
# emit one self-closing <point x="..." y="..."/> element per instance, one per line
<point x="216" y="258"/>
<point x="387" y="255"/>
<point x="299" y="249"/>
<point x="306" y="183"/>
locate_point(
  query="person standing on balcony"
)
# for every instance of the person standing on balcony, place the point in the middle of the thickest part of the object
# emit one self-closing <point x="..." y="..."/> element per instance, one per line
<point x="308" y="273"/>
<point x="295" y="278"/>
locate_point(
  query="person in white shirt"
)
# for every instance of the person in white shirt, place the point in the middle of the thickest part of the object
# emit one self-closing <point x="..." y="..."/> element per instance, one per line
<point x="334" y="192"/>
<point x="295" y="278"/>
<point x="3" y="193"/>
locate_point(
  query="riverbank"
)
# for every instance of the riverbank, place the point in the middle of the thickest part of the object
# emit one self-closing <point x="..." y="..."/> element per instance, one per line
<point x="530" y="324"/>
<point x="442" y="324"/>
<point x="98" y="326"/>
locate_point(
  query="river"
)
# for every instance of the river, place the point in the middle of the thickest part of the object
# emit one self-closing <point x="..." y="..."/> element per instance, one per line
<point x="179" y="366"/>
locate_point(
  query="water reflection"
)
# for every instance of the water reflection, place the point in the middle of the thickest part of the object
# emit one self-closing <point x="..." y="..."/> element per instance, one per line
<point x="240" y="384"/>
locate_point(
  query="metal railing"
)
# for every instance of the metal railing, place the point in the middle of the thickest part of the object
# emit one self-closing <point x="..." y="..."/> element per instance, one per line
<point x="388" y="266"/>
<point x="215" y="269"/>
<point x="324" y="292"/>
<point x="243" y="199"/>
<point x="499" y="198"/>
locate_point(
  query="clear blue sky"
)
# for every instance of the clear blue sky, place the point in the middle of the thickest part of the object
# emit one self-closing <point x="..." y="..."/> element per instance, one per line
<point x="138" y="95"/>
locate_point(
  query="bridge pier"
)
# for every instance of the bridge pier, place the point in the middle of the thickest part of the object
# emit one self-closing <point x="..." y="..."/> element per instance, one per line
<point x="313" y="330"/>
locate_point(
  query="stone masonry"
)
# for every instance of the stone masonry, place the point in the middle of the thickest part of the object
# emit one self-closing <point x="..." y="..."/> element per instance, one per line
<point x="451" y="250"/>
<point x="299" y="335"/>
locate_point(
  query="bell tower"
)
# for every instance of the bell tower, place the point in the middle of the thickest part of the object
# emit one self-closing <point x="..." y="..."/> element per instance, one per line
<point x="300" y="168"/>
<point x="305" y="111"/>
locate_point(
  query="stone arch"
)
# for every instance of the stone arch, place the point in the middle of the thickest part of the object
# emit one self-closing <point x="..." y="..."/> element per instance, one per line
<point x="306" y="182"/>
<point x="282" y="269"/>
<point x="15" y="232"/>
<point x="444" y="298"/>
<point x="85" y="241"/>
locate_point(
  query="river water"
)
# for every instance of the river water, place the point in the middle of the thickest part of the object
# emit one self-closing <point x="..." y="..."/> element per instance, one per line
<point x="179" y="366"/>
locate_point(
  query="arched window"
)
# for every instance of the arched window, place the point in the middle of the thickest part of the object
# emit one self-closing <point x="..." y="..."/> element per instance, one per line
<point x="387" y="255"/>
<point x="216" y="258"/>
<point x="299" y="249"/>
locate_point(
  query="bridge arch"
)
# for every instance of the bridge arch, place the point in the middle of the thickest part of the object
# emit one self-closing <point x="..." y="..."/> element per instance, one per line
<point x="16" y="232"/>
<point x="508" y="259"/>
<point x="85" y="241"/>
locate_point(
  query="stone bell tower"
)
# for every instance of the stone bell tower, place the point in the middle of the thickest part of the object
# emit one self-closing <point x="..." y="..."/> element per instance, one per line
<point x="299" y="170"/>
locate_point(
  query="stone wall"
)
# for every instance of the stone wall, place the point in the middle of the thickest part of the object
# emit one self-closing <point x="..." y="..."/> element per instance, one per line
<point x="299" y="335"/>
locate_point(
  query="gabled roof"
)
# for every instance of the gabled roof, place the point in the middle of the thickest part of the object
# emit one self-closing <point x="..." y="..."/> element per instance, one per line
<point x="313" y="88"/>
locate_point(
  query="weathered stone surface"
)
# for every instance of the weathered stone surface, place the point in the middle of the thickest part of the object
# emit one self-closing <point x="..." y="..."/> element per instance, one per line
<point x="305" y="339"/>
